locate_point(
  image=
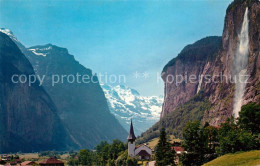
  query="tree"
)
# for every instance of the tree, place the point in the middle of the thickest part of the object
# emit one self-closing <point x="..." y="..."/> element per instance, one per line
<point x="211" y="142"/>
<point x="108" y="153"/>
<point x="125" y="160"/>
<point x="249" y="117"/>
<point x="233" y="138"/>
<point x="195" y="143"/>
<point x="164" y="152"/>
<point x="85" y="157"/>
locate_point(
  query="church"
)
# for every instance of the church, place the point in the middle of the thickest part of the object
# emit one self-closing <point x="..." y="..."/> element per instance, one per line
<point x="142" y="151"/>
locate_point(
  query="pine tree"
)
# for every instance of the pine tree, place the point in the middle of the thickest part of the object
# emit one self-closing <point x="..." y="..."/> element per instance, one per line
<point x="164" y="153"/>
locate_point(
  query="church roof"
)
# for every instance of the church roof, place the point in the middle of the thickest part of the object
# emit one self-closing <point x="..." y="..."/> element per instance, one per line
<point x="143" y="153"/>
<point x="131" y="135"/>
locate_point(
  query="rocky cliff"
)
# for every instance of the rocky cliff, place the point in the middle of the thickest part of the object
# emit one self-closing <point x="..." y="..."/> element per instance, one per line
<point x="82" y="106"/>
<point x="219" y="92"/>
<point x="210" y="95"/>
<point x="29" y="121"/>
<point x="192" y="60"/>
<point x="221" y="95"/>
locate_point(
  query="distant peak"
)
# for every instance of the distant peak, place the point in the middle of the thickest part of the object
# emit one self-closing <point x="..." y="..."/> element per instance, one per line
<point x="41" y="50"/>
<point x="42" y="46"/>
<point x="49" y="46"/>
<point x="6" y="31"/>
<point x="9" y="33"/>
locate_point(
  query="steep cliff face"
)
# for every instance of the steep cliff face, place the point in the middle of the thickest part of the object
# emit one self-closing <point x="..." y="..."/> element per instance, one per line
<point x="212" y="100"/>
<point x="76" y="92"/>
<point x="192" y="61"/>
<point x="81" y="104"/>
<point x="220" y="92"/>
<point x="221" y="95"/>
<point x="29" y="121"/>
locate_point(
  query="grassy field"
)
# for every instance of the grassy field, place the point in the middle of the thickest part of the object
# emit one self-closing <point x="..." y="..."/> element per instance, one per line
<point x="27" y="156"/>
<point x="251" y="158"/>
<point x="151" y="144"/>
<point x="35" y="157"/>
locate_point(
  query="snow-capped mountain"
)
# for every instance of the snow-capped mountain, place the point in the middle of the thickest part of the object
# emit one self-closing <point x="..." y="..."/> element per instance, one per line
<point x="126" y="103"/>
<point x="9" y="33"/>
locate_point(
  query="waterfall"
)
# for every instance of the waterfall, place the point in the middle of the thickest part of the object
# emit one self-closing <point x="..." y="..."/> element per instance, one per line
<point x="199" y="85"/>
<point x="240" y="65"/>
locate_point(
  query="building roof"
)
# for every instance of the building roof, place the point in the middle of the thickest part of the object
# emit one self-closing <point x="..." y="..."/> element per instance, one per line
<point x="51" y="160"/>
<point x="138" y="146"/>
<point x="131" y="135"/>
<point x="143" y="153"/>
<point x="178" y="149"/>
<point x="28" y="163"/>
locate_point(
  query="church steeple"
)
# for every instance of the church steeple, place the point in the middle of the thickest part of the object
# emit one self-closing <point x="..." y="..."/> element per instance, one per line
<point x="131" y="141"/>
<point x="131" y="137"/>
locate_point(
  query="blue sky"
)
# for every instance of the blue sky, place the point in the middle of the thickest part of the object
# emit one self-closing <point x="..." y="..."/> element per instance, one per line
<point x="116" y="37"/>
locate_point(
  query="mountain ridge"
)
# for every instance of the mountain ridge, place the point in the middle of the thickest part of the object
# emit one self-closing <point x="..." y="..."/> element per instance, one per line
<point x="82" y="107"/>
<point x="29" y="116"/>
<point x="126" y="104"/>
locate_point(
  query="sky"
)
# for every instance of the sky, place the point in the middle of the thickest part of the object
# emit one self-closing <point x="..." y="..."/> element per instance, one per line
<point x="118" y="38"/>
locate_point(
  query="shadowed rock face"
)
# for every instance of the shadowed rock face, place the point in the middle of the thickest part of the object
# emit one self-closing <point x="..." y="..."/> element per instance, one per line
<point x="192" y="60"/>
<point x="220" y="95"/>
<point x="28" y="116"/>
<point x="81" y="106"/>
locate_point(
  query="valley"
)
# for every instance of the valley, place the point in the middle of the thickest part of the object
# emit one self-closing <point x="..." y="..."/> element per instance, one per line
<point x="55" y="109"/>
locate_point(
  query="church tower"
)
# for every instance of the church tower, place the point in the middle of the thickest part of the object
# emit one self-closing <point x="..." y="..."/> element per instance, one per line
<point x="131" y="141"/>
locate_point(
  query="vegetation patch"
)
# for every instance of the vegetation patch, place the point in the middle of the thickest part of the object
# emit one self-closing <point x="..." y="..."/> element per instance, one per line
<point x="251" y="158"/>
<point x="174" y="123"/>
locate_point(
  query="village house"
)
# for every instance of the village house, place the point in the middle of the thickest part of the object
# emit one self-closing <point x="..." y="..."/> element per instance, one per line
<point x="6" y="157"/>
<point x="52" y="161"/>
<point x="143" y="151"/>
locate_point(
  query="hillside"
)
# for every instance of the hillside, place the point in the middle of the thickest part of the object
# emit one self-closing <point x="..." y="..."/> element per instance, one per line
<point x="174" y="122"/>
<point x="251" y="158"/>
<point x="153" y="143"/>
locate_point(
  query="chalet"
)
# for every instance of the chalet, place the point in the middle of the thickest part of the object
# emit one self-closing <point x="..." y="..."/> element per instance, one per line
<point x="178" y="150"/>
<point x="143" y="151"/>
<point x="52" y="161"/>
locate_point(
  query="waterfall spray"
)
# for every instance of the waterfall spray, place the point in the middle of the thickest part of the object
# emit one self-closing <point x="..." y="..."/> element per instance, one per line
<point x="240" y="65"/>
